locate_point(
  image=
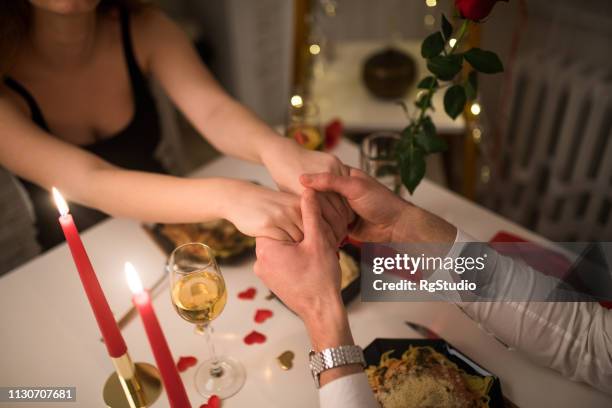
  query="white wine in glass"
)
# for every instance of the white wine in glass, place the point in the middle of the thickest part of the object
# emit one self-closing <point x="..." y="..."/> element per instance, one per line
<point x="199" y="295"/>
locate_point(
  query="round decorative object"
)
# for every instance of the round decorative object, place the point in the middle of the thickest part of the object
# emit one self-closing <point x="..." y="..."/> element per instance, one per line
<point x="388" y="74"/>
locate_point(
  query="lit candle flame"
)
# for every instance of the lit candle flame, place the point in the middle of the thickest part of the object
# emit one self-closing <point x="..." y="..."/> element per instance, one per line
<point x="133" y="279"/>
<point x="61" y="204"/>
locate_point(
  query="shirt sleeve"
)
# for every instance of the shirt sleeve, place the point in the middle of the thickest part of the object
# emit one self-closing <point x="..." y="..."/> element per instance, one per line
<point x="572" y="338"/>
<point x="350" y="391"/>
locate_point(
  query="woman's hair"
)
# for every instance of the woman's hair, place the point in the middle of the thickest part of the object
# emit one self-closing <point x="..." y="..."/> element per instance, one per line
<point x="15" y="24"/>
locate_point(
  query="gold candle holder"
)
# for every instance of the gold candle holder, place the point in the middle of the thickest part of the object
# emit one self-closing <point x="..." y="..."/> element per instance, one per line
<point x="132" y="385"/>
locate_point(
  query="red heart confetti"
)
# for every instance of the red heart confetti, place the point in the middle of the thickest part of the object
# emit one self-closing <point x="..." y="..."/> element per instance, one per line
<point x="247" y="294"/>
<point x="261" y="315"/>
<point x="213" y="402"/>
<point x="254" y="337"/>
<point x="185" y="362"/>
<point x="333" y="133"/>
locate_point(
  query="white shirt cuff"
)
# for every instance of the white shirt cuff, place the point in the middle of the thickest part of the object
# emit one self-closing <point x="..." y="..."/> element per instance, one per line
<point x="350" y="391"/>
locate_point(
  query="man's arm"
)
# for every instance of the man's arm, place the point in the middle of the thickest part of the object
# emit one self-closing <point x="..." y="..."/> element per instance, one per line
<point x="570" y="337"/>
<point x="316" y="300"/>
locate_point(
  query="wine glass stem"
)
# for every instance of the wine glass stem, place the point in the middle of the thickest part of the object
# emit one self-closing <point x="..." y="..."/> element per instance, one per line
<point x="206" y="330"/>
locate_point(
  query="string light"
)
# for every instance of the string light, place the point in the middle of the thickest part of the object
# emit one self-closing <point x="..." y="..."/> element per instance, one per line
<point x="297" y="101"/>
<point x="429" y="20"/>
<point x="452" y="42"/>
<point x="475" y="109"/>
<point x="314" y="49"/>
<point x="431" y="3"/>
<point x="485" y="174"/>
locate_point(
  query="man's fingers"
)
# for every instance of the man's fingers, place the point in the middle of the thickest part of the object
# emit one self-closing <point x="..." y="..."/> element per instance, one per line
<point x="343" y="185"/>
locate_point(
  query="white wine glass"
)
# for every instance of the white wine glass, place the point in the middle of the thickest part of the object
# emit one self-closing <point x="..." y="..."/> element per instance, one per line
<point x="199" y="295"/>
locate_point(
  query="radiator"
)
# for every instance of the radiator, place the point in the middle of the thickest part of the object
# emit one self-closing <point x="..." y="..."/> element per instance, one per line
<point x="554" y="172"/>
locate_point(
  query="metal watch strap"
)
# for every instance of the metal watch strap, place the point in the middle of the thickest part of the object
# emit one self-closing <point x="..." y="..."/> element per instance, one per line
<point x="334" y="357"/>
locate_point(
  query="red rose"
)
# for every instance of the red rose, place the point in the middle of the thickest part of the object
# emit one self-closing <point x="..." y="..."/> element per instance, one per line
<point x="475" y="10"/>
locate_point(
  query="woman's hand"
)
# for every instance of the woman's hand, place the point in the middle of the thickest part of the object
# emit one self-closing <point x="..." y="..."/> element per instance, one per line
<point x="287" y="161"/>
<point x="260" y="212"/>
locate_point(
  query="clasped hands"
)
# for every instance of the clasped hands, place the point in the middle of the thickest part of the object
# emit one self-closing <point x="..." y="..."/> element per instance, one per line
<point x="305" y="274"/>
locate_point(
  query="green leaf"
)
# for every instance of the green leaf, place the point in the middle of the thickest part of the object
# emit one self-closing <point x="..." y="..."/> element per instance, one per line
<point x="428" y="127"/>
<point x="424" y="101"/>
<point x="431" y="144"/>
<point x="454" y="101"/>
<point x="471" y="85"/>
<point x="484" y="61"/>
<point x="445" y="66"/>
<point x="432" y="45"/>
<point x="447" y="28"/>
<point x="412" y="165"/>
<point x="428" y="82"/>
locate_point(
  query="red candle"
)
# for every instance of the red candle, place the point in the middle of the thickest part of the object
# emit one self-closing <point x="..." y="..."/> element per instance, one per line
<point x="163" y="357"/>
<point x="106" y="321"/>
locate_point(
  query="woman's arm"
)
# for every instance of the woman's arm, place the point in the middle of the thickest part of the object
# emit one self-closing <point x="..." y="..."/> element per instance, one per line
<point x="39" y="157"/>
<point x="166" y="52"/>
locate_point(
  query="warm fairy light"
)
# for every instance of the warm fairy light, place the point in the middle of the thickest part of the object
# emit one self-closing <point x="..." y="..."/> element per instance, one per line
<point x="475" y="109"/>
<point x="476" y="135"/>
<point x="60" y="203"/>
<point x="452" y="42"/>
<point x="431" y="3"/>
<point x="429" y="20"/>
<point x="297" y="101"/>
<point x="314" y="49"/>
<point x="133" y="279"/>
<point x="485" y="174"/>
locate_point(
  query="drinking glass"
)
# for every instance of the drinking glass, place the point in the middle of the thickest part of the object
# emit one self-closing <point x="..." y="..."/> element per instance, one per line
<point x="199" y="295"/>
<point x="378" y="159"/>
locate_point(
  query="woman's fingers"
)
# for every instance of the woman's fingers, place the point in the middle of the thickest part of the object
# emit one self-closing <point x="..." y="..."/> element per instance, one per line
<point x="293" y="231"/>
<point x="334" y="214"/>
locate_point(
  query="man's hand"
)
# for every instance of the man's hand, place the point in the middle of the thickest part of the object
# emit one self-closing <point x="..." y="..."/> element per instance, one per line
<point x="382" y="215"/>
<point x="305" y="275"/>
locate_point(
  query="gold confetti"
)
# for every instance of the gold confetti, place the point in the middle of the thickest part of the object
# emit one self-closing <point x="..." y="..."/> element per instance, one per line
<point x="285" y="360"/>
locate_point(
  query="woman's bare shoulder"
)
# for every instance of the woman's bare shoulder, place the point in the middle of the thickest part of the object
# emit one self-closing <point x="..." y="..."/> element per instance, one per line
<point x="153" y="29"/>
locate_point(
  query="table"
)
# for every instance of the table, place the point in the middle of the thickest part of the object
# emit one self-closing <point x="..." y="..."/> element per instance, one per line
<point x="340" y="93"/>
<point x="49" y="336"/>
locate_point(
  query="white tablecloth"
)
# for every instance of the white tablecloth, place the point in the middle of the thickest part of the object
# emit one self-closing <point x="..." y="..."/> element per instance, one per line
<point x="49" y="336"/>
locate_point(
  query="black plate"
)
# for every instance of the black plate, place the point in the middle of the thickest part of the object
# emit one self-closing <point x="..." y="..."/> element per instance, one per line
<point x="375" y="350"/>
<point x="167" y="246"/>
<point x="352" y="290"/>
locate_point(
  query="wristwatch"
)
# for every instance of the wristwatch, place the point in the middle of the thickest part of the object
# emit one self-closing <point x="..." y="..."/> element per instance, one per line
<point x="334" y="357"/>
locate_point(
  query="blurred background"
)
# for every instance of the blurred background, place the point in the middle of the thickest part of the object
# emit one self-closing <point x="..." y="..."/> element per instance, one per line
<point x="534" y="147"/>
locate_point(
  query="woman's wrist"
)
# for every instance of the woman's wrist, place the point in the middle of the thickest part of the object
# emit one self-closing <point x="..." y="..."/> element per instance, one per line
<point x="223" y="195"/>
<point x="276" y="148"/>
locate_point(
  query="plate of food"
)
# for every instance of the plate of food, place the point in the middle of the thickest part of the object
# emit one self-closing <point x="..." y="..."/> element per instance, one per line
<point x="227" y="242"/>
<point x="407" y="373"/>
